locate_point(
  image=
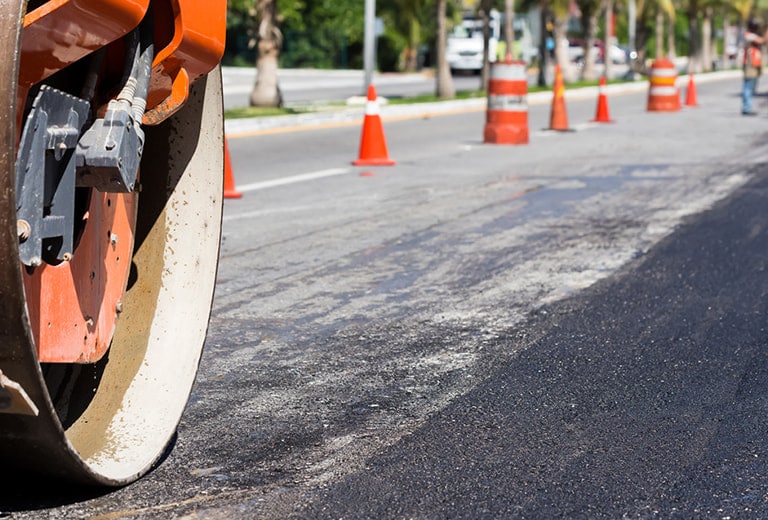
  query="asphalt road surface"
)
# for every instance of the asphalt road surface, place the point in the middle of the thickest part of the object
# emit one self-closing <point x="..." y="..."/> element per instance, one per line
<point x="644" y="396"/>
<point x="572" y="328"/>
<point x="311" y="86"/>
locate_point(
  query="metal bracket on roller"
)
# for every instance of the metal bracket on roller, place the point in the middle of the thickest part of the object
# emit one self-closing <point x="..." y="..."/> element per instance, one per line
<point x="13" y="398"/>
<point x="45" y="176"/>
<point x="109" y="153"/>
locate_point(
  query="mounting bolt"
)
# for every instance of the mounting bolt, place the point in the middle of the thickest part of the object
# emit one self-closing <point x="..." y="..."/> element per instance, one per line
<point x="23" y="229"/>
<point x="113" y="239"/>
<point x="35" y="261"/>
<point x="66" y="257"/>
<point x="60" y="150"/>
<point x="119" y="307"/>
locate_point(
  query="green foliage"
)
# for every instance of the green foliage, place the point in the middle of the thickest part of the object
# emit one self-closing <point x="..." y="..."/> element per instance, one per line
<point x="317" y="33"/>
<point x="322" y="33"/>
<point x="329" y="33"/>
<point x="239" y="33"/>
<point x="389" y="51"/>
<point x="430" y="98"/>
<point x="319" y="48"/>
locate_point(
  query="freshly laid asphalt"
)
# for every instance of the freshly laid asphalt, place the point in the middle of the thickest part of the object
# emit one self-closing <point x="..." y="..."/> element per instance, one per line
<point x="645" y="396"/>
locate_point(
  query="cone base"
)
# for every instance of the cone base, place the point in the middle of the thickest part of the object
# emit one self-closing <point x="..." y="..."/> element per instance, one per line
<point x="233" y="195"/>
<point x="664" y="109"/>
<point x="505" y="134"/>
<point x="373" y="162"/>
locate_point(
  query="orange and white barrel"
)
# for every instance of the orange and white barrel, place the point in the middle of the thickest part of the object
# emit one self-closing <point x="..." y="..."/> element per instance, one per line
<point x="663" y="94"/>
<point x="507" y="116"/>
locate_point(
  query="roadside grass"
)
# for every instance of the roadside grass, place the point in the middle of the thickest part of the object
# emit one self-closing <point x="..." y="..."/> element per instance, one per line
<point x="244" y="112"/>
<point x="430" y="98"/>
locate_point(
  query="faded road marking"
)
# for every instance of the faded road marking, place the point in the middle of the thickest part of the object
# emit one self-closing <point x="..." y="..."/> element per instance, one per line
<point x="293" y="179"/>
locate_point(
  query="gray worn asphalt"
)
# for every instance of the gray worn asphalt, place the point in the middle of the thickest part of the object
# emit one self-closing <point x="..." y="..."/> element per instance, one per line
<point x="645" y="396"/>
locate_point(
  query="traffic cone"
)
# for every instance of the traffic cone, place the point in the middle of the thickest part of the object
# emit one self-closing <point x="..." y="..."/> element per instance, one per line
<point x="373" y="145"/>
<point x="230" y="192"/>
<point x="602" y="105"/>
<point x="690" y="98"/>
<point x="558" y="119"/>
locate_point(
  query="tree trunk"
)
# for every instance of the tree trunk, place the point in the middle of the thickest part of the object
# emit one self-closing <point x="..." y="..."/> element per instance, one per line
<point x="545" y="60"/>
<point x="561" y="50"/>
<point x="411" y="58"/>
<point x="671" y="46"/>
<point x="444" y="82"/>
<point x="727" y="57"/>
<point x="266" y="92"/>
<point x="694" y="37"/>
<point x="659" y="33"/>
<point x="706" y="40"/>
<point x="588" y="72"/>
<point x="485" y="72"/>
<point x="608" y="37"/>
<point x="509" y="28"/>
<point x="641" y="39"/>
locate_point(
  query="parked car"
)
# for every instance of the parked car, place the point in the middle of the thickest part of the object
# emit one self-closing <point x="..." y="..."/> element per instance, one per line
<point x="464" y="49"/>
<point x="576" y="52"/>
<point x="465" y="42"/>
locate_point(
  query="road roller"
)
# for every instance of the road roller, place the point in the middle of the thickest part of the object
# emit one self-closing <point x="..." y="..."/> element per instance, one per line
<point x="110" y="221"/>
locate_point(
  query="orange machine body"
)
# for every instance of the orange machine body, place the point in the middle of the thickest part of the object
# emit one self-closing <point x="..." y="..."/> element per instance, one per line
<point x="76" y="304"/>
<point x="189" y="38"/>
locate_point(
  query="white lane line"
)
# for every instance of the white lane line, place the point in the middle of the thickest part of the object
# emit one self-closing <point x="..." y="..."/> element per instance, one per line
<point x="269" y="212"/>
<point x="293" y="179"/>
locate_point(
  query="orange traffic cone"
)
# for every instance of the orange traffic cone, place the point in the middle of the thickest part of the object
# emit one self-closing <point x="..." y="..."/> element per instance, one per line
<point x="558" y="119"/>
<point x="602" y="115"/>
<point x="690" y="98"/>
<point x="373" y="145"/>
<point x="230" y="192"/>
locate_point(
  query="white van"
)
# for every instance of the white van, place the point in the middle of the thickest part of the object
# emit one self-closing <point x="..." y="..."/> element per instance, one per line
<point x="465" y="43"/>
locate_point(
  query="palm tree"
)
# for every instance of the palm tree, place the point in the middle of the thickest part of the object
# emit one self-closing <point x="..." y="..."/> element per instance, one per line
<point x="607" y="41"/>
<point x="700" y="18"/>
<point x="589" y="11"/>
<point x="560" y="10"/>
<point x="485" y="13"/>
<point x="646" y="11"/>
<point x="509" y="26"/>
<point x="743" y="7"/>
<point x="407" y="18"/>
<point x="266" y="92"/>
<point x="444" y="82"/>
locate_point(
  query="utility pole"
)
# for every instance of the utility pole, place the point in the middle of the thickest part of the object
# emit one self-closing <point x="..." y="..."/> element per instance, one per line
<point x="632" y="22"/>
<point x="369" y="42"/>
<point x="509" y="27"/>
<point x="608" y="39"/>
